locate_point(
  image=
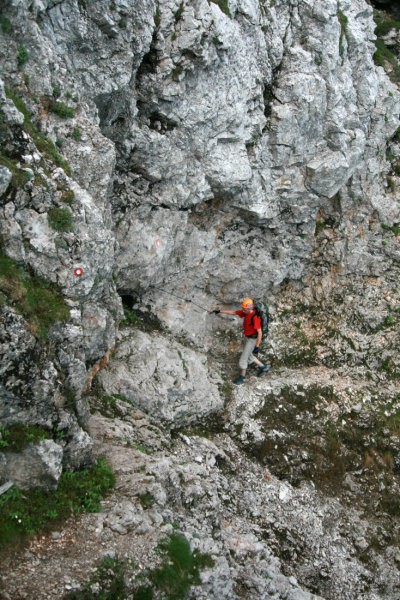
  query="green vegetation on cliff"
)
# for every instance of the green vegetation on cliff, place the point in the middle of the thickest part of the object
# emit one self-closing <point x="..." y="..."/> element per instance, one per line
<point x="39" y="302"/>
<point x="25" y="513"/>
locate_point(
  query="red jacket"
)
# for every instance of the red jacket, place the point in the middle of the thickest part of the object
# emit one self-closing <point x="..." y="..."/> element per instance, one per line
<point x="250" y="324"/>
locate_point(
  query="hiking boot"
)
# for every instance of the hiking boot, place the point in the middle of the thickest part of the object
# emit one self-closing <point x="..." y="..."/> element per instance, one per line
<point x="239" y="380"/>
<point x="262" y="370"/>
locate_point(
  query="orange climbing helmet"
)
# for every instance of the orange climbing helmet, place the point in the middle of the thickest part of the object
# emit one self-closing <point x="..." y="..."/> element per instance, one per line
<point x="247" y="303"/>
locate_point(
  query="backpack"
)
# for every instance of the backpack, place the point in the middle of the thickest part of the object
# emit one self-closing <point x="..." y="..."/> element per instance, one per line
<point x="263" y="313"/>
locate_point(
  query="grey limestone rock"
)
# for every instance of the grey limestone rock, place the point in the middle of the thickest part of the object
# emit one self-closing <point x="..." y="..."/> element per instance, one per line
<point x="5" y="178"/>
<point x="206" y="157"/>
<point x="161" y="376"/>
<point x="37" y="466"/>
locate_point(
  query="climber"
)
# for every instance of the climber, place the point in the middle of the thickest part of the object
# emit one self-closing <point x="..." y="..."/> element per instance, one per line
<point x="253" y="332"/>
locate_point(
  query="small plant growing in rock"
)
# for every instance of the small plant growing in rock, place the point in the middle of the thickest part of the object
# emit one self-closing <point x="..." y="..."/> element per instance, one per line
<point x="56" y="91"/>
<point x="176" y="72"/>
<point x="76" y="134"/>
<point x="68" y="197"/>
<point x="130" y="318"/>
<point x="5" y="24"/>
<point x="178" y="14"/>
<point x="384" y="56"/>
<point x="60" y="219"/>
<point x="181" y="569"/>
<point x="172" y="580"/>
<point x="343" y="20"/>
<point x="40" y="303"/>
<point x="16" y="437"/>
<point x="22" y="56"/>
<point x="62" y="110"/>
<point x="146" y="499"/>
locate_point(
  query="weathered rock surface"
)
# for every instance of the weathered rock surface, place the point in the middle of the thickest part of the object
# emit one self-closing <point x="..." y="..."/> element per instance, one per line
<point x="267" y="539"/>
<point x="162" y="377"/>
<point x="37" y="466"/>
<point x="194" y="157"/>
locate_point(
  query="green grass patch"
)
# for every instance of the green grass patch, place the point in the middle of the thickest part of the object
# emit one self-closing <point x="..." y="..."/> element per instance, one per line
<point x="16" y="437"/>
<point x="26" y="513"/>
<point x="68" y="196"/>
<point x="385" y="25"/>
<point x="131" y="318"/>
<point x="178" y="14"/>
<point x="42" y="142"/>
<point x="385" y="58"/>
<point x="180" y="569"/>
<point x="22" y="56"/>
<point x="395" y="228"/>
<point x="5" y="24"/>
<point x="106" y="404"/>
<point x="76" y="134"/>
<point x="343" y="20"/>
<point x="146" y="500"/>
<point x="60" y="219"/>
<point x="62" y="110"/>
<point x="40" y="303"/>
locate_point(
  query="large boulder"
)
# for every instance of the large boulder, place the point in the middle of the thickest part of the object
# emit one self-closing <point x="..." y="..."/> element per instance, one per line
<point x="164" y="378"/>
<point x="39" y="465"/>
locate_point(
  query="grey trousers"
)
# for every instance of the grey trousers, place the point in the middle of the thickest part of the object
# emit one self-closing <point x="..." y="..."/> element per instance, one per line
<point x="246" y="358"/>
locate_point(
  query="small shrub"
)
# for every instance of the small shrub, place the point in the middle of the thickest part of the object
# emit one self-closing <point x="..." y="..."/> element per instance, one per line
<point x="130" y="318"/>
<point x="181" y="568"/>
<point x="176" y="72"/>
<point x="22" y="56"/>
<point x="68" y="196"/>
<point x="171" y="581"/>
<point x="5" y="24"/>
<point x="146" y="499"/>
<point x="62" y="110"/>
<point x="60" y="219"/>
<point x="76" y="134"/>
<point x="56" y="91"/>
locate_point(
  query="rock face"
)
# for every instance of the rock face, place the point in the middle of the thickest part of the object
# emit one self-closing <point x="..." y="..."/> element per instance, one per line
<point x="159" y="375"/>
<point x="165" y="157"/>
<point x="38" y="466"/>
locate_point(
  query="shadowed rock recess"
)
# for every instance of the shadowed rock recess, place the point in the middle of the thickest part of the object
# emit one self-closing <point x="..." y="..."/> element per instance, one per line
<point x="159" y="158"/>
